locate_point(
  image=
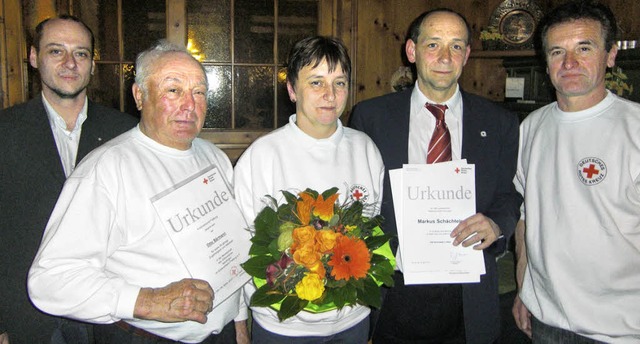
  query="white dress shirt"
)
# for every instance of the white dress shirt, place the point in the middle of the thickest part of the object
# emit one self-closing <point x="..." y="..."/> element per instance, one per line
<point x="66" y="141"/>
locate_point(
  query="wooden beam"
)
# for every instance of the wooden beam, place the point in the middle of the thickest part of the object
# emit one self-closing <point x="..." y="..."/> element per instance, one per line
<point x="177" y="21"/>
<point x="4" y="99"/>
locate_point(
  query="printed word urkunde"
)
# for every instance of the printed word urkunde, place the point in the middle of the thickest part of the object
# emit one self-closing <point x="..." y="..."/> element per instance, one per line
<point x="427" y="193"/>
<point x="180" y="221"/>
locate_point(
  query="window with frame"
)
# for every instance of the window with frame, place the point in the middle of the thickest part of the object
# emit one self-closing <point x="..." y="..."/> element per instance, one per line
<point x="243" y="45"/>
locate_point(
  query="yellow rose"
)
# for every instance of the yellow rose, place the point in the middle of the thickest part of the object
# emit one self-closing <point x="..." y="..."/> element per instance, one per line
<point x="303" y="235"/>
<point x="310" y="287"/>
<point x="318" y="269"/>
<point x="325" y="240"/>
<point x="306" y="256"/>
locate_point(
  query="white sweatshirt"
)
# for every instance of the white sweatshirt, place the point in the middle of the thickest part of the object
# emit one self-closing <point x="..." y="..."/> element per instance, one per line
<point x="288" y="159"/>
<point x="104" y="241"/>
<point x="580" y="174"/>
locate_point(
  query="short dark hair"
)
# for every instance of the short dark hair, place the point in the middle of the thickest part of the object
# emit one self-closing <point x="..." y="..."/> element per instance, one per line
<point x="40" y="30"/>
<point x="416" y="24"/>
<point x="582" y="9"/>
<point x="311" y="51"/>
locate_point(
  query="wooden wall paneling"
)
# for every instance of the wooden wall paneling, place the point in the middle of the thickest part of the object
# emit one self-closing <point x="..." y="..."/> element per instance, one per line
<point x="16" y="91"/>
<point x="381" y="30"/>
<point x="485" y="77"/>
<point x="337" y="18"/>
<point x="3" y="60"/>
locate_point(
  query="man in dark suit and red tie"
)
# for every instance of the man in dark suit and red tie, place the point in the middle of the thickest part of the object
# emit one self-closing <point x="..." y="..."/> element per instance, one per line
<point x="409" y="127"/>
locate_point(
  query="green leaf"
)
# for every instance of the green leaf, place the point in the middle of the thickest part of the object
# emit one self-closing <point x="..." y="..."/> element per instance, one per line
<point x="336" y="284"/>
<point x="260" y="239"/>
<point x="273" y="248"/>
<point x="357" y="283"/>
<point x="381" y="270"/>
<point x="267" y="223"/>
<point x="370" y="293"/>
<point x="353" y="213"/>
<point x="291" y="305"/>
<point x="330" y="192"/>
<point x="286" y="214"/>
<point x="311" y="192"/>
<point x="259" y="250"/>
<point x="373" y="242"/>
<point x="265" y="297"/>
<point x="373" y="222"/>
<point x="257" y="266"/>
<point x="345" y="295"/>
<point x="328" y="295"/>
<point x="291" y="198"/>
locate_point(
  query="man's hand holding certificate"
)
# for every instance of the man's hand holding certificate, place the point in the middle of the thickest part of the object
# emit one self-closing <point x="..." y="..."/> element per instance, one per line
<point x="205" y="224"/>
<point x="430" y="201"/>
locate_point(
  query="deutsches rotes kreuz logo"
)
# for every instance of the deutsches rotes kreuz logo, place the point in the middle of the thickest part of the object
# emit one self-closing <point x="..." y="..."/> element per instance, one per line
<point x="591" y="171"/>
<point x="359" y="193"/>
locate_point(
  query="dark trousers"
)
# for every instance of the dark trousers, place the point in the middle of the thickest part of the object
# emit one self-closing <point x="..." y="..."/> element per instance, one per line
<point x="115" y="334"/>
<point x="430" y="313"/>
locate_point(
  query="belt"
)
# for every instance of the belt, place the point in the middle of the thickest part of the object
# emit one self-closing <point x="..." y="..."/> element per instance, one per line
<point x="137" y="331"/>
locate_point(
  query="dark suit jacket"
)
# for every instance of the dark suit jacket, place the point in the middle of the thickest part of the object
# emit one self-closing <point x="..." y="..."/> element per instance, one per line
<point x="31" y="178"/>
<point x="386" y="120"/>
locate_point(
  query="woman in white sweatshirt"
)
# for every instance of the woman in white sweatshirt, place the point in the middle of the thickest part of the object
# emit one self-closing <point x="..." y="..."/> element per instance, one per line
<point x="312" y="151"/>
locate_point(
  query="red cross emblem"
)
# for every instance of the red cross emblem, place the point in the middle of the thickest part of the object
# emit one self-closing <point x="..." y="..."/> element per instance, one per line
<point x="357" y="194"/>
<point x="206" y="181"/>
<point x="591" y="171"/>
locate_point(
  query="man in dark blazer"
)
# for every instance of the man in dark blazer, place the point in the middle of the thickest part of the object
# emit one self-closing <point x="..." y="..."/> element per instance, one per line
<point x="34" y="164"/>
<point x="481" y="132"/>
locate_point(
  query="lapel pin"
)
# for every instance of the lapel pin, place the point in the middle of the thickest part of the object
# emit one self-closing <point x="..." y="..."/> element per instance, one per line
<point x="483" y="133"/>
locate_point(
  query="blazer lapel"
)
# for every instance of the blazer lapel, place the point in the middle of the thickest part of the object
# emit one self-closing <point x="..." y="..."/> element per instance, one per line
<point x="398" y="123"/>
<point x="472" y="129"/>
<point x="90" y="137"/>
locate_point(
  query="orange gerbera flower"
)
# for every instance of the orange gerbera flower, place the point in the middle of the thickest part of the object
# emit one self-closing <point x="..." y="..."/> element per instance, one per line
<point x="323" y="208"/>
<point x="350" y="258"/>
<point x="304" y="208"/>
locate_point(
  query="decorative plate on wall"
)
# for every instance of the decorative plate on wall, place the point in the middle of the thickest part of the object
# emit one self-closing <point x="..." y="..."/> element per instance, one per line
<point x="517" y="20"/>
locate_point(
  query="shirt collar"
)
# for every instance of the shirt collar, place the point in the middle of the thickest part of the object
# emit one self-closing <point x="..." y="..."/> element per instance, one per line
<point x="418" y="100"/>
<point x="57" y="121"/>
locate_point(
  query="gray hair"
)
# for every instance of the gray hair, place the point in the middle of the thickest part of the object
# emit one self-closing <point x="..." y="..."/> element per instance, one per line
<point x="147" y="58"/>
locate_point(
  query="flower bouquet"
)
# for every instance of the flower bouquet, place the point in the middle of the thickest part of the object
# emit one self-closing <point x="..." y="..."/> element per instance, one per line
<point x="313" y="254"/>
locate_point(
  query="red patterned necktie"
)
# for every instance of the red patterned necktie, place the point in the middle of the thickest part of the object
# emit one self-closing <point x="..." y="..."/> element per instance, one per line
<point x="440" y="144"/>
